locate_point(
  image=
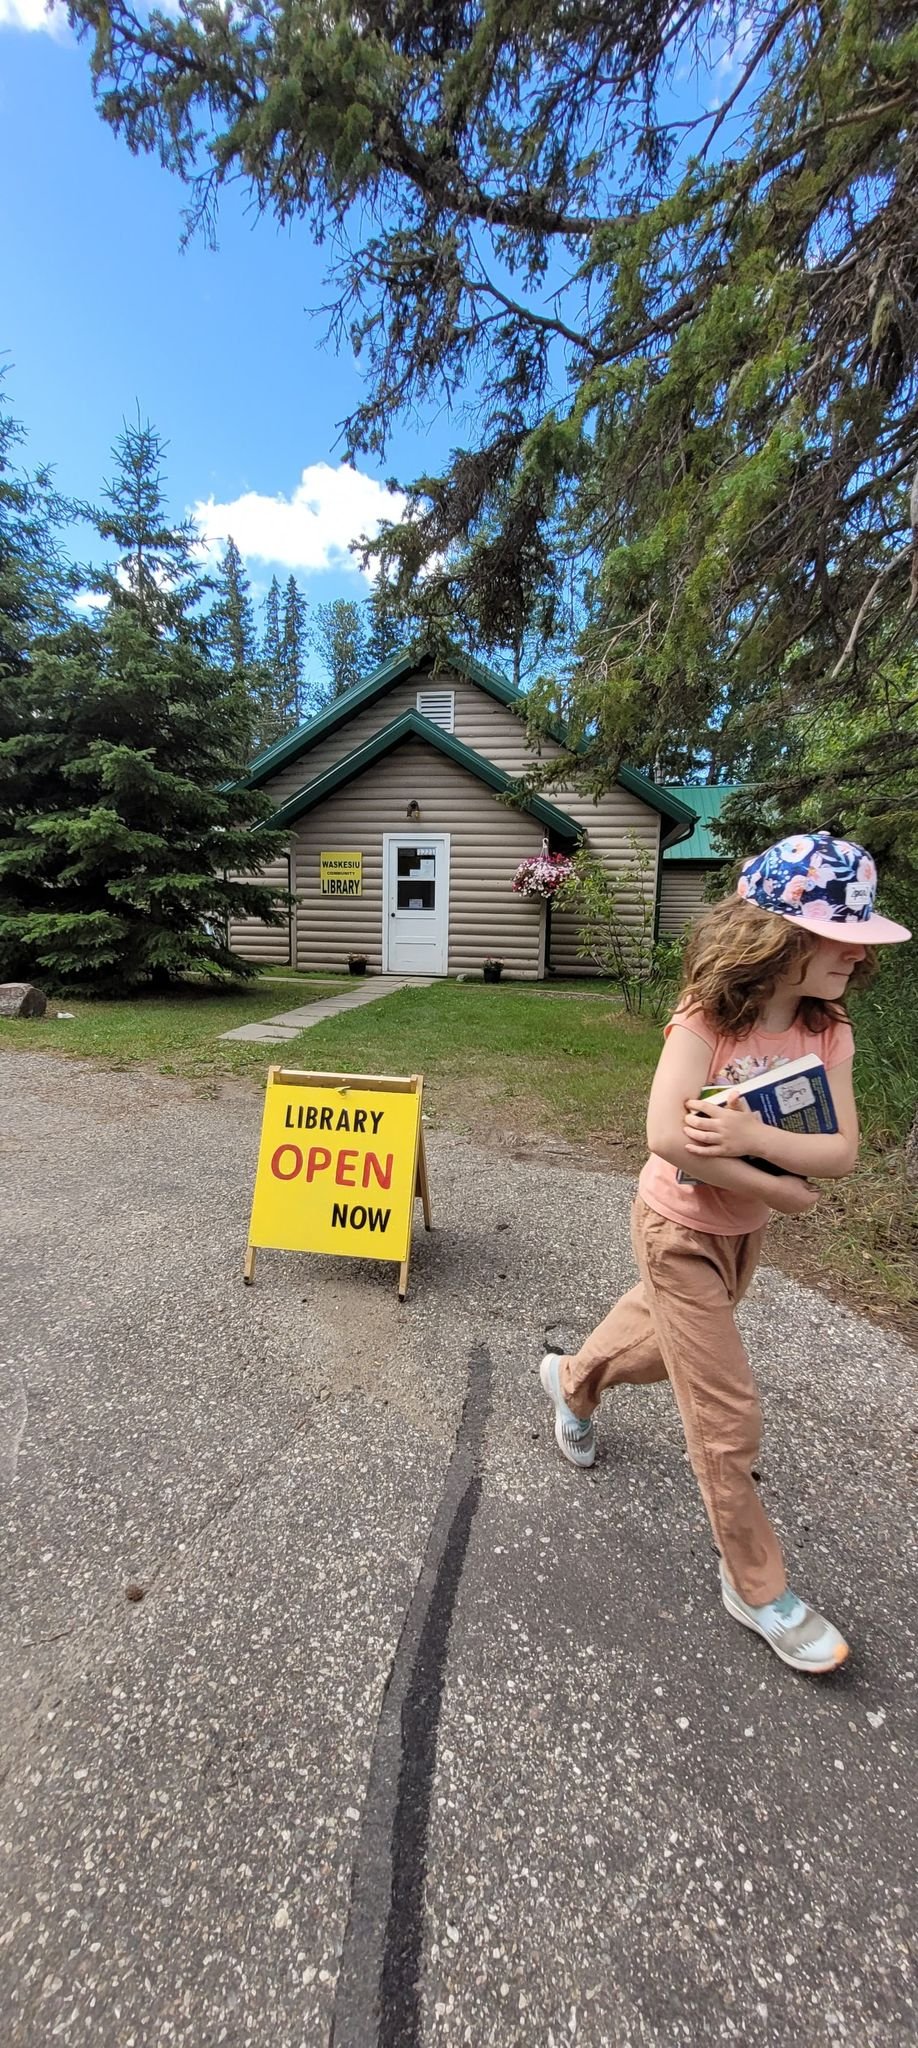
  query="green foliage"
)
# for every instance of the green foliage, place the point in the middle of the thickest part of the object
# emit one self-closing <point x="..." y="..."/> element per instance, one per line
<point x="295" y="689"/>
<point x="390" y="625"/>
<point x="156" y="574"/>
<point x="231" y="620"/>
<point x="851" y="769"/>
<point x="32" y="576"/>
<point x="340" y="640"/>
<point x="119" y="756"/>
<point x="273" y="709"/>
<point x="615" y="913"/>
<point x="694" y="350"/>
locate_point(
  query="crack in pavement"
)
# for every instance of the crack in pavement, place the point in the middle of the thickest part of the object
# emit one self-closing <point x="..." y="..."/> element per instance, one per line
<point x="377" y="2001"/>
<point x="14" y="1416"/>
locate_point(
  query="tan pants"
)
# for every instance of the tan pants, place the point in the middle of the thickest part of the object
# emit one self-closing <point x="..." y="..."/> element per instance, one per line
<point x="678" y="1324"/>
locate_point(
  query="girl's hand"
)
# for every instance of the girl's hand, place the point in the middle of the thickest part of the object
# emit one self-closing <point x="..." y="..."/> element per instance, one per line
<point x="792" y="1196"/>
<point x="722" y="1130"/>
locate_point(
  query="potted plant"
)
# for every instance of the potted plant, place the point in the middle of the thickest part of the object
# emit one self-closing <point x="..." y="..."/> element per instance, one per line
<point x="356" y="963"/>
<point x="493" y="969"/>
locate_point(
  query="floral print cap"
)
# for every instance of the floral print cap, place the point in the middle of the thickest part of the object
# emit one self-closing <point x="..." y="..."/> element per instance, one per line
<point x="829" y="885"/>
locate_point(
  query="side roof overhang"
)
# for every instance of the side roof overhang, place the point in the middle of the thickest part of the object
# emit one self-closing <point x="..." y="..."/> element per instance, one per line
<point x="678" y="819"/>
<point x="412" y="726"/>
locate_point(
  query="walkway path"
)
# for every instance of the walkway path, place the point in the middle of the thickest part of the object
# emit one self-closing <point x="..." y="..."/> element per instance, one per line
<point x="289" y="1023"/>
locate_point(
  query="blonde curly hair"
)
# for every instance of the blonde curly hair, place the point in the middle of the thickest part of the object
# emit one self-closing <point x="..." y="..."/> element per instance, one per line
<point x="734" y="958"/>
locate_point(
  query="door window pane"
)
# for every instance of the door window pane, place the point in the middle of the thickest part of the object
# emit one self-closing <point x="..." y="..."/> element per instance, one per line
<point x="415" y="894"/>
<point x="416" y="885"/>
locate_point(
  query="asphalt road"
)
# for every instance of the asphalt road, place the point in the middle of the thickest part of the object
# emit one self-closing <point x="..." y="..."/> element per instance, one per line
<point x="417" y="1736"/>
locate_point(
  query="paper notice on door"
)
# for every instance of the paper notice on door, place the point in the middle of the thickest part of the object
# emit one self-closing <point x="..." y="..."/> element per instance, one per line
<point x="426" y="865"/>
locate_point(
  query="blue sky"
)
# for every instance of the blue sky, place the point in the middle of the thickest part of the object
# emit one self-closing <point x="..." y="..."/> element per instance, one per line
<point x="102" y="311"/>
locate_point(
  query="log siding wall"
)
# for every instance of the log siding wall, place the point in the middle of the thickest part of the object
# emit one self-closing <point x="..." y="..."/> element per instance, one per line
<point x="487" y="840"/>
<point x="485" y="917"/>
<point x="682" y="896"/>
<point x="268" y="944"/>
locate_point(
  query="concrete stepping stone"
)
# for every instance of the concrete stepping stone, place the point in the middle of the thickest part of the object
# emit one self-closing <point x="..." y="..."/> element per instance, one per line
<point x="287" y="1024"/>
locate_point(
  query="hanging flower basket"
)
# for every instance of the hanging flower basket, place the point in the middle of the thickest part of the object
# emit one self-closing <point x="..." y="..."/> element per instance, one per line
<point x="542" y="874"/>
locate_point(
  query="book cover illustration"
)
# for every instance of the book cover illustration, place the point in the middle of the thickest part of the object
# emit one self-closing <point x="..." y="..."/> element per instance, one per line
<point x="793" y="1095"/>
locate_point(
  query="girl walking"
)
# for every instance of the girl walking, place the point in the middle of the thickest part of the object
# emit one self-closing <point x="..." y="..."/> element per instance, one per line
<point x="766" y="973"/>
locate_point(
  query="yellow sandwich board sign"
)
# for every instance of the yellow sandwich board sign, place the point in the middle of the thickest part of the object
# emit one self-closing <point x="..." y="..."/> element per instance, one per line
<point x="340" y="1165"/>
<point x="341" y="874"/>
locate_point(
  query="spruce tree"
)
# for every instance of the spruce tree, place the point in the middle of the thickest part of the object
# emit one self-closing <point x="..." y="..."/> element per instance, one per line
<point x="32" y="600"/>
<point x="272" y="714"/>
<point x="127" y="815"/>
<point x="293" y="653"/>
<point x="32" y="575"/>
<point x="232" y="622"/>
<point x="684" y="325"/>
<point x="271" y="636"/>
<point x="340" y="640"/>
<point x="389" y="626"/>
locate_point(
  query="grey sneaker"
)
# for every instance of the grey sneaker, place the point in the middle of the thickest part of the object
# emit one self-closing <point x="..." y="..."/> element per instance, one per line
<point x="576" y="1440"/>
<point x="797" y="1634"/>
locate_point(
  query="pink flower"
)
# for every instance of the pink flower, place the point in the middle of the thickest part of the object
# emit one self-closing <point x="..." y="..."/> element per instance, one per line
<point x="796" y="848"/>
<point x="794" y="889"/>
<point x="866" y="871"/>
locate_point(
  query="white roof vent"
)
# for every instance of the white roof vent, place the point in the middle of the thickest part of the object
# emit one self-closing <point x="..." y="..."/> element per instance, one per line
<point x="439" y="706"/>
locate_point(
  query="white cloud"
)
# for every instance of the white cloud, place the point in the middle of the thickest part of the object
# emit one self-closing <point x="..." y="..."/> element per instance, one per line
<point x="30" y="14"/>
<point x="734" y="58"/>
<point x="313" y="528"/>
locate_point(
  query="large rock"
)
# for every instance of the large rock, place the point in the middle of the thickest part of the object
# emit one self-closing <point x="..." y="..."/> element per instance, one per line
<point x="20" y="999"/>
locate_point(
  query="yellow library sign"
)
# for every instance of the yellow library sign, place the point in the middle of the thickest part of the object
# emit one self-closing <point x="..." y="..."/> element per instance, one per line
<point x="341" y="874"/>
<point x="340" y="1165"/>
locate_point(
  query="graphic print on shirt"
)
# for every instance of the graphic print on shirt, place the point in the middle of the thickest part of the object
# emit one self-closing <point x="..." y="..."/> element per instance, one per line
<point x="747" y="1069"/>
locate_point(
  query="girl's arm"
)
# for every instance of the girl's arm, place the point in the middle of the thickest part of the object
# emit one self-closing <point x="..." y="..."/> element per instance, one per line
<point x="732" y="1129"/>
<point x="681" y="1072"/>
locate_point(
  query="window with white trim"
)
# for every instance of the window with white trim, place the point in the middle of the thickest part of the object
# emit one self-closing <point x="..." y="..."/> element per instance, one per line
<point x="439" y="706"/>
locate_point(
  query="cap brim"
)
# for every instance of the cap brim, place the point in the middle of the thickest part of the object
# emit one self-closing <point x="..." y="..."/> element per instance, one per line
<point x="856" y="931"/>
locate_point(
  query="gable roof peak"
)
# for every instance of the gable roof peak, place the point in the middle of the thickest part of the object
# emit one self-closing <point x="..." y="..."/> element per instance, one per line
<point x="418" y="656"/>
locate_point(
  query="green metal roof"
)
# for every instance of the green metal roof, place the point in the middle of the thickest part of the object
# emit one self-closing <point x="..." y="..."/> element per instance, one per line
<point x="412" y="725"/>
<point x="342" y="708"/>
<point x="350" y="701"/>
<point x="707" y="801"/>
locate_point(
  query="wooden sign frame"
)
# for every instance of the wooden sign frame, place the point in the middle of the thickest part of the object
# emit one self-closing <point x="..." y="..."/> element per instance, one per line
<point x="381" y="1084"/>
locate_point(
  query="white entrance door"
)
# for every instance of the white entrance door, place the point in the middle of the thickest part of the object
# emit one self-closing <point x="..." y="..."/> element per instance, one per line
<point x="416" y="907"/>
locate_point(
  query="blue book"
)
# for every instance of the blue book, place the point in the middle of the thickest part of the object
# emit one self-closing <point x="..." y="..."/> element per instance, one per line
<point x="794" y="1096"/>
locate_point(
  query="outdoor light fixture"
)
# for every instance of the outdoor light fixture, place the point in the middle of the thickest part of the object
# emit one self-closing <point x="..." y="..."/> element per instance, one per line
<point x="414" y="809"/>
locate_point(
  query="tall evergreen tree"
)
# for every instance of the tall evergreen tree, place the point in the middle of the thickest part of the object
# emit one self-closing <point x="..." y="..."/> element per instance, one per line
<point x="121" y="781"/>
<point x="272" y="653"/>
<point x="296" y="692"/>
<point x="389" y="624"/>
<point x="157" y="572"/>
<point x="231" y="619"/>
<point x="340" y="640"/>
<point x="272" y="713"/>
<point x="693" y="340"/>
<point x="33" y="581"/>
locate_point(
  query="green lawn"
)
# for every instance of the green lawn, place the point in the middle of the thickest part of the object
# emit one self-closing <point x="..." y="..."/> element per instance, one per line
<point x="178" y="1033"/>
<point x="509" y="1065"/>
